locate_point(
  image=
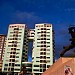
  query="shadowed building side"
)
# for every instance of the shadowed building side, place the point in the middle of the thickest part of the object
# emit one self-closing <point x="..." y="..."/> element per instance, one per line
<point x="2" y="44"/>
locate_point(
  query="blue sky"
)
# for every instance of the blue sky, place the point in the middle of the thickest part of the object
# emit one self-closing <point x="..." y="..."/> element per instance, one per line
<point x="60" y="13"/>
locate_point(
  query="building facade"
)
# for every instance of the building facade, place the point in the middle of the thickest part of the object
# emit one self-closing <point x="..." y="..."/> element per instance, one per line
<point x="16" y="50"/>
<point x="2" y="42"/>
<point x="43" y="48"/>
<point x="28" y="67"/>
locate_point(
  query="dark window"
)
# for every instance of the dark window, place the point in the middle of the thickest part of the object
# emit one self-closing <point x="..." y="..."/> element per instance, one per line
<point x="17" y="69"/>
<point x="12" y="69"/>
<point x="11" y="55"/>
<point x="9" y="64"/>
<point x="37" y="57"/>
<point x="40" y="70"/>
<point x="13" y="60"/>
<point x="48" y="42"/>
<point x="44" y="49"/>
<point x="12" y="64"/>
<point x="48" y="46"/>
<point x="18" y="49"/>
<point x="10" y="60"/>
<point x="16" y="28"/>
<point x="14" y="52"/>
<point x="42" y="61"/>
<point x="48" y="57"/>
<point x="44" y="45"/>
<point x="37" y="61"/>
<point x="36" y="65"/>
<point x="48" y="39"/>
<point x="6" y="64"/>
<point x="17" y="56"/>
<point x="48" y="66"/>
<point x="44" y="38"/>
<point x="17" y="64"/>
<point x="44" y="70"/>
<point x="36" y="69"/>
<point x="48" y="29"/>
<point x="5" y="68"/>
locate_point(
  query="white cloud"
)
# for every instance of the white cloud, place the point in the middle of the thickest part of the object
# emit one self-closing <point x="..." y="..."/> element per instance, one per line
<point x="25" y="17"/>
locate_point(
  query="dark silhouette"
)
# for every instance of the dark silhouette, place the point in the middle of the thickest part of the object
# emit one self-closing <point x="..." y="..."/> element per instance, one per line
<point x="72" y="45"/>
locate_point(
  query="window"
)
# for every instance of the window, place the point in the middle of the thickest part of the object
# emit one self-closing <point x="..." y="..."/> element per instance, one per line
<point x="19" y="35"/>
<point x="42" y="65"/>
<point x="17" y="69"/>
<point x="9" y="45"/>
<point x="48" y="35"/>
<point x="9" y="64"/>
<point x="36" y="69"/>
<point x="5" y="68"/>
<point x="48" y="57"/>
<point x="36" y="65"/>
<point x="17" y="56"/>
<point x="14" y="52"/>
<point x="48" y="29"/>
<point x="12" y="69"/>
<point x="42" y="53"/>
<point x="44" y="70"/>
<point x="42" y="57"/>
<point x="13" y="57"/>
<point x="48" y="53"/>
<point x="20" y="32"/>
<point x="48" y="49"/>
<point x="48" y="42"/>
<point x="6" y="64"/>
<point x="12" y="64"/>
<point x="37" y="57"/>
<point x="37" y="61"/>
<point x="32" y="57"/>
<point x="16" y="28"/>
<point x="48" y="32"/>
<point x="48" y="46"/>
<point x="43" y="49"/>
<point x="40" y="70"/>
<point x="17" y="64"/>
<point x="48" y="66"/>
<point x="16" y="60"/>
<point x="18" y="49"/>
<point x="48" y="39"/>
<point x="44" y="38"/>
<point x="47" y="61"/>
<point x="42" y="61"/>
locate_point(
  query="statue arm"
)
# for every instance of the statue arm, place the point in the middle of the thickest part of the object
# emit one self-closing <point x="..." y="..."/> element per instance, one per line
<point x="70" y="30"/>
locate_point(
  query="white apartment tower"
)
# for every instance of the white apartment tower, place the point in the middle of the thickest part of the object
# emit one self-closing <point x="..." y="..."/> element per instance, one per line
<point x="16" y="50"/>
<point x="43" y="48"/>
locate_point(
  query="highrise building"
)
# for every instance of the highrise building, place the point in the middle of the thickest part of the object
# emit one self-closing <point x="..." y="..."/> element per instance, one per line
<point x="2" y="42"/>
<point x="16" y="50"/>
<point x="43" y="48"/>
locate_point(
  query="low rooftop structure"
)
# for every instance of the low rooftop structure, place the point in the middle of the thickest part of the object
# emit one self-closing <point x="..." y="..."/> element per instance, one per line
<point x="63" y="66"/>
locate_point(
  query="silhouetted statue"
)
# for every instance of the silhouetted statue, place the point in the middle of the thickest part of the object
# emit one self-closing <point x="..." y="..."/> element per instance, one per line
<point x="72" y="45"/>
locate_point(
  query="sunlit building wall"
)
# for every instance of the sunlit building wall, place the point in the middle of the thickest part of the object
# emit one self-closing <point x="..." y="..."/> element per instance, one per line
<point x="16" y="50"/>
<point x="43" y="48"/>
